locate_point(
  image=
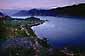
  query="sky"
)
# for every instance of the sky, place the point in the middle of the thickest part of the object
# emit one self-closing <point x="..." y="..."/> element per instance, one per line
<point x="43" y="4"/>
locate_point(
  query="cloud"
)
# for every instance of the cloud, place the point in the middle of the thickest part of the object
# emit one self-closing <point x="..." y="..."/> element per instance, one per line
<point x="36" y="3"/>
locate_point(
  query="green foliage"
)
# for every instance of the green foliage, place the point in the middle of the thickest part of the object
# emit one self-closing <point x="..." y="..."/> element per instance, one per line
<point x="2" y="31"/>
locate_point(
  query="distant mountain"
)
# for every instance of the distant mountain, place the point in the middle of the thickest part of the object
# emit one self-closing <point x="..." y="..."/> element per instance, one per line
<point x="74" y="10"/>
<point x="9" y="11"/>
<point x="34" y="12"/>
<point x="21" y="13"/>
<point x="41" y="12"/>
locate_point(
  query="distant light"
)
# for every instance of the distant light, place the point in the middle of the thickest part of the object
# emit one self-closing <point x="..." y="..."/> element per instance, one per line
<point x="53" y="7"/>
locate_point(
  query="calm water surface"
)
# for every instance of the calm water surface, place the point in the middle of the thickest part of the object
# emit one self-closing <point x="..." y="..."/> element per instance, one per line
<point x="62" y="31"/>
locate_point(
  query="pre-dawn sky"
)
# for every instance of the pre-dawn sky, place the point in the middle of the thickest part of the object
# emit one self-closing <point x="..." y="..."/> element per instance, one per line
<point x="24" y="4"/>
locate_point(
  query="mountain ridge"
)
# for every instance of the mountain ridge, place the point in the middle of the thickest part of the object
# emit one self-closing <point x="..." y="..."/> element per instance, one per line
<point x="73" y="10"/>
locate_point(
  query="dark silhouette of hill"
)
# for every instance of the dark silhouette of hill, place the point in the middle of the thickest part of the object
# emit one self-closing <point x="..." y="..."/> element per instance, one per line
<point x="1" y="14"/>
<point x="41" y="12"/>
<point x="74" y="10"/>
